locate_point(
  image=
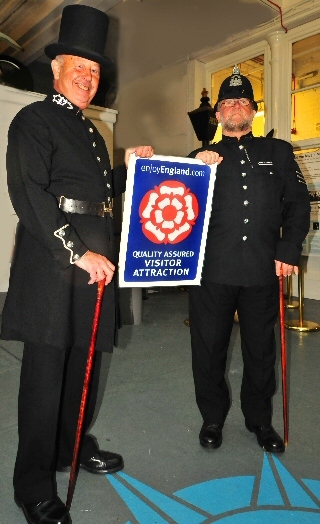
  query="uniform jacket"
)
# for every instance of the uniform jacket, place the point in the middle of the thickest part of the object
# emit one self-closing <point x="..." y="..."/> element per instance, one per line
<point x="259" y="191"/>
<point x="53" y="151"/>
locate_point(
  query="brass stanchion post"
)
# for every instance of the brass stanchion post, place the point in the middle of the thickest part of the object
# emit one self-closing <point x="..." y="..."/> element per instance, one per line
<point x="289" y="303"/>
<point x="301" y="324"/>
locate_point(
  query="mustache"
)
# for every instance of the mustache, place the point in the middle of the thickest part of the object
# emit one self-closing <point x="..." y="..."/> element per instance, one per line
<point x="237" y="111"/>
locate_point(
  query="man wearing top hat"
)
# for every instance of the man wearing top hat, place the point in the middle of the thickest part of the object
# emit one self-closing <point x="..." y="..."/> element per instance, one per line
<point x="259" y="189"/>
<point x="61" y="185"/>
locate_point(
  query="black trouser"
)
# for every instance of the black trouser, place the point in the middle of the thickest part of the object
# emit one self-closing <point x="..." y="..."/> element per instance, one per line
<point x="51" y="385"/>
<point x="212" y="309"/>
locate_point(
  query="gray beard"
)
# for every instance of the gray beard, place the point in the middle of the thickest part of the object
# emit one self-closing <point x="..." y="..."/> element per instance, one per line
<point x="244" y="125"/>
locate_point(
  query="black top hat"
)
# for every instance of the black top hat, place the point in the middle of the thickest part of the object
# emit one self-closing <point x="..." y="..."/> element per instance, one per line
<point x="237" y="86"/>
<point x="83" y="32"/>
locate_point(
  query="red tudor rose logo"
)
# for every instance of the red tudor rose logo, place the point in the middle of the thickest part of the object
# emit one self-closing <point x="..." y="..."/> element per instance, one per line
<point x="168" y="213"/>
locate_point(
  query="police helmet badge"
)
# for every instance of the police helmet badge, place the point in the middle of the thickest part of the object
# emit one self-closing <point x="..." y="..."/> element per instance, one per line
<point x="235" y="79"/>
<point x="237" y="86"/>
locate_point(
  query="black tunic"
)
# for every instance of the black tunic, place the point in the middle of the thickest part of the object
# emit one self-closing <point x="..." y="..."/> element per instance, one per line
<point x="53" y="150"/>
<point x="259" y="190"/>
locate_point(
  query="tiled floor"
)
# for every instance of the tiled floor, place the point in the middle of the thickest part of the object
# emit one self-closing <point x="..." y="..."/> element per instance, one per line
<point x="148" y="414"/>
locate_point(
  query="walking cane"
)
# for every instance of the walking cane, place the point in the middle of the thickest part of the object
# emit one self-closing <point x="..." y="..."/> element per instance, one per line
<point x="283" y="361"/>
<point x="74" y="464"/>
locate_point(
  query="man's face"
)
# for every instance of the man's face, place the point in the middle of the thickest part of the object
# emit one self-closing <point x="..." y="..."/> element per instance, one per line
<point x="76" y="78"/>
<point x="235" y="118"/>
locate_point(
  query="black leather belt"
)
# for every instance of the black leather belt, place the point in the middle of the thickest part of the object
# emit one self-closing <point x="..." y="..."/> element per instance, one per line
<point x="83" y="207"/>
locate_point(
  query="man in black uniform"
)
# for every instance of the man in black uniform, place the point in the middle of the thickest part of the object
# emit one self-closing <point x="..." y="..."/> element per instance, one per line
<point x="61" y="185"/>
<point x="259" y="189"/>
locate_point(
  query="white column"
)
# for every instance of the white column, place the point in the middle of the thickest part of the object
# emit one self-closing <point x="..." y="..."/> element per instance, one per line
<point x="280" y="85"/>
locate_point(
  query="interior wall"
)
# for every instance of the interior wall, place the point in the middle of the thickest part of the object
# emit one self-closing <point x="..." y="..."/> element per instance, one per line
<point x="153" y="110"/>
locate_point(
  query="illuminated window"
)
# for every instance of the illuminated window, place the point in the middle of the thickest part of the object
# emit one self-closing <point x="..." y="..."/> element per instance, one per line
<point x="254" y="70"/>
<point x="305" y="98"/>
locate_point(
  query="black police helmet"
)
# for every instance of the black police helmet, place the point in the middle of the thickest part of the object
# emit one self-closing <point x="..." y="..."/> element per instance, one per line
<point x="237" y="86"/>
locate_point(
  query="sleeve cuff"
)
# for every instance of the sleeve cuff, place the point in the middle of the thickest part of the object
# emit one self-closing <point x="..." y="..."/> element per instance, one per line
<point x="73" y="247"/>
<point x="288" y="253"/>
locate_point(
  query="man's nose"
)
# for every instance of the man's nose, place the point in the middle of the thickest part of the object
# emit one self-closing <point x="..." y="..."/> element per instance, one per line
<point x="87" y="74"/>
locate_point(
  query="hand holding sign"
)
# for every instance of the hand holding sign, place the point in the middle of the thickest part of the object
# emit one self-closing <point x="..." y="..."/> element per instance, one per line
<point x="139" y="151"/>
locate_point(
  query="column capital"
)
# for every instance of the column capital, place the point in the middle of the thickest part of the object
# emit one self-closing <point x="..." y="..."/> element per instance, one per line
<point x="275" y="37"/>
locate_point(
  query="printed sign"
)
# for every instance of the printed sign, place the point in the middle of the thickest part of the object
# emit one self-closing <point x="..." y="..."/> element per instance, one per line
<point x="309" y="164"/>
<point x="165" y="221"/>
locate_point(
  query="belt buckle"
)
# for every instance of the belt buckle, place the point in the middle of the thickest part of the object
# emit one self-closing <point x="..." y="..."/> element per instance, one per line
<point x="107" y="209"/>
<point x="60" y="200"/>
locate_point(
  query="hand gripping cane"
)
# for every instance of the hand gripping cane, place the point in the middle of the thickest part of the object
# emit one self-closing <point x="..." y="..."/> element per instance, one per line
<point x="74" y="465"/>
<point x="283" y="361"/>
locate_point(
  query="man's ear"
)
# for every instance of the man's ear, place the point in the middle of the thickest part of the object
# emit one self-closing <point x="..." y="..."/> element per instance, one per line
<point x="218" y="116"/>
<point x="56" y="66"/>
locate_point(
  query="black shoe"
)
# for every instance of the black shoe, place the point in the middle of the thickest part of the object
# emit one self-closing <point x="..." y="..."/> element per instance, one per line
<point x="47" y="512"/>
<point x="100" y="462"/>
<point x="268" y="438"/>
<point x="211" y="435"/>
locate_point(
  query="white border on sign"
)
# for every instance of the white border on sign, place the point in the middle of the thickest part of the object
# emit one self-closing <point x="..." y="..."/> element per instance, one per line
<point x="127" y="215"/>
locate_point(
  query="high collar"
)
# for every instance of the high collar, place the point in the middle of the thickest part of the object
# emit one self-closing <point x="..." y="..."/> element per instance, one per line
<point x="59" y="100"/>
<point x="234" y="139"/>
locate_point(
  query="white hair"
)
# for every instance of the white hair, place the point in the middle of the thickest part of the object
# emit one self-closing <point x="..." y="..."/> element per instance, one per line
<point x="60" y="59"/>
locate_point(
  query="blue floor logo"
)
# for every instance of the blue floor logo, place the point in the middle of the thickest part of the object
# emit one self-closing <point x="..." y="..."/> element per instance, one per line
<point x="281" y="499"/>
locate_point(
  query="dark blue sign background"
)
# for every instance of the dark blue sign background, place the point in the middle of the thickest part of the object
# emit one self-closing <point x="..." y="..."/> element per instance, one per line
<point x="146" y="178"/>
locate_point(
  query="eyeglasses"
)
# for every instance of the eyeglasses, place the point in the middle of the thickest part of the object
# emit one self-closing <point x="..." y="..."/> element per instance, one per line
<point x="230" y="102"/>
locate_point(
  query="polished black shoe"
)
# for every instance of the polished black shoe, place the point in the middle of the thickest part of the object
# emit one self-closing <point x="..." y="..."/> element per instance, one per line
<point x="267" y="438"/>
<point x="51" y="511"/>
<point x="100" y="462"/>
<point x="211" y="435"/>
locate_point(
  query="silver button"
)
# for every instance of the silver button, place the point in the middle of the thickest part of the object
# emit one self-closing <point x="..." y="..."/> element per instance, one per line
<point x="242" y="161"/>
<point x="90" y="129"/>
<point x="94" y="144"/>
<point x="245" y="187"/>
<point x="246" y="220"/>
<point x="62" y="233"/>
<point x="271" y="172"/>
<point x="83" y="117"/>
<point x="244" y="174"/>
<point x="244" y="238"/>
<point x="246" y="202"/>
<point x="76" y="257"/>
<point x="99" y="159"/>
<point x="108" y="186"/>
<point x="70" y="243"/>
<point x="105" y="172"/>
<point x="240" y="147"/>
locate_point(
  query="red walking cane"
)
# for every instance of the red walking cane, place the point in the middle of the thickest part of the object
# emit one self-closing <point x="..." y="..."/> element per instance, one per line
<point x="283" y="361"/>
<point x="74" y="465"/>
